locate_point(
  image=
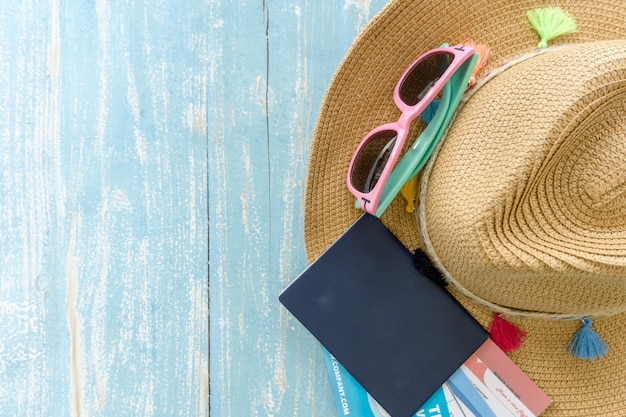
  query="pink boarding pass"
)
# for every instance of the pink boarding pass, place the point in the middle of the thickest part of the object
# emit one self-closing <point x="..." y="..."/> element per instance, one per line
<point x="507" y="390"/>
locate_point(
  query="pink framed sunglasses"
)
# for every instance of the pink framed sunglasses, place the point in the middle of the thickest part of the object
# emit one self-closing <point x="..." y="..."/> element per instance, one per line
<point x="380" y="149"/>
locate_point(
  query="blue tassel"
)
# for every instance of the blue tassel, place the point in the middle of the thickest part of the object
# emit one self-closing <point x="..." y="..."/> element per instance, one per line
<point x="429" y="112"/>
<point x="586" y="343"/>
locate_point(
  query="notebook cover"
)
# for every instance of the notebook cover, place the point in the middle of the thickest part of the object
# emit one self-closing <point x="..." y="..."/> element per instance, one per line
<point x="397" y="332"/>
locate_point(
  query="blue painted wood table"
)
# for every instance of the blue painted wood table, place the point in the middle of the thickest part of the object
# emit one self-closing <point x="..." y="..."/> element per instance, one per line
<point x="271" y="62"/>
<point x="103" y="214"/>
<point x="153" y="158"/>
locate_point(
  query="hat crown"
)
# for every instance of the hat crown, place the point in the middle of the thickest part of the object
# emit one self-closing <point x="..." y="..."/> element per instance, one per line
<point x="524" y="202"/>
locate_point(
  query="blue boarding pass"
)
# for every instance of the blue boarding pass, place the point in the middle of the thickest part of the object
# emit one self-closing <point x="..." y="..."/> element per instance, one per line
<point x="351" y="399"/>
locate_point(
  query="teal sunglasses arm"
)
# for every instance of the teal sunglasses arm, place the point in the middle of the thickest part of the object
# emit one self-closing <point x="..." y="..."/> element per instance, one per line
<point x="403" y="171"/>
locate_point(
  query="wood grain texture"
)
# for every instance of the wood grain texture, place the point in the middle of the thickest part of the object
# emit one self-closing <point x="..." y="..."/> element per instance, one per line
<point x="103" y="257"/>
<point x="270" y="63"/>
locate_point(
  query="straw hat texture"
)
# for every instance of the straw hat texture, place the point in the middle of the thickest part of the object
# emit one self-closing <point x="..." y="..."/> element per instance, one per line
<point x="522" y="207"/>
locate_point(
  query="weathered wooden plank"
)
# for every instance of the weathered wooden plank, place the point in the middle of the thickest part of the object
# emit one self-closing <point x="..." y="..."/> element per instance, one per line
<point x="103" y="137"/>
<point x="270" y="65"/>
<point x="34" y="339"/>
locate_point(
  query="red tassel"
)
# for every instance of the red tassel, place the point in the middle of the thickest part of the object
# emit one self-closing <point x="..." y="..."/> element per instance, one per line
<point x="506" y="335"/>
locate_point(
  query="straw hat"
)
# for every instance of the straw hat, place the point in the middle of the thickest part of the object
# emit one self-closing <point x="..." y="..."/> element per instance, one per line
<point x="523" y="205"/>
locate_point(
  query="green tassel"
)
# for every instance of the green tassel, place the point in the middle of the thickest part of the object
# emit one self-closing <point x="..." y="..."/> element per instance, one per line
<point x="550" y="23"/>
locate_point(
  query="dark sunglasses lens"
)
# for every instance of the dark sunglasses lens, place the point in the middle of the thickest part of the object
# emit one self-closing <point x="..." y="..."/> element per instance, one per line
<point x="371" y="160"/>
<point x="423" y="77"/>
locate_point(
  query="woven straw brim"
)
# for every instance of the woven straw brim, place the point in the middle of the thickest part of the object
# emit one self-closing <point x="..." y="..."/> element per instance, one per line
<point x="360" y="98"/>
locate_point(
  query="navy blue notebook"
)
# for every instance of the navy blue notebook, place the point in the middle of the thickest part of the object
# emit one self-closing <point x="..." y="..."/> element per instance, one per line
<point x="400" y="334"/>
